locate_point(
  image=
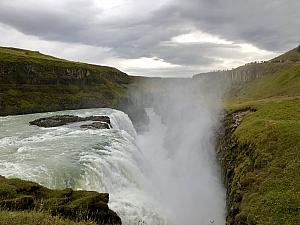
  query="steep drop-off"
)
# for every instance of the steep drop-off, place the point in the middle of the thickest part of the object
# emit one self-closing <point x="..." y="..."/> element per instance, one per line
<point x="259" y="145"/>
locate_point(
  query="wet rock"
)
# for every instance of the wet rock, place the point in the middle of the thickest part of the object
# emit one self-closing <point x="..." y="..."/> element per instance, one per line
<point x="103" y="122"/>
<point x="96" y="125"/>
<point x="104" y="119"/>
<point x="238" y="117"/>
<point x="55" y="121"/>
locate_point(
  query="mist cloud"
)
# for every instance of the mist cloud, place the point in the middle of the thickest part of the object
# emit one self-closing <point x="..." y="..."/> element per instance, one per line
<point x="180" y="151"/>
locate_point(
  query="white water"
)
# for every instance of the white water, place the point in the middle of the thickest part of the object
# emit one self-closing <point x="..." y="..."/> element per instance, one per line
<point x="180" y="152"/>
<point x="167" y="175"/>
<point x="68" y="156"/>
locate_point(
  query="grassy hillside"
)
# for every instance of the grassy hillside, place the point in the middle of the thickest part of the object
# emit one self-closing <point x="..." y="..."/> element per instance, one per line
<point x="25" y="196"/>
<point x="291" y="56"/>
<point x="16" y="55"/>
<point x="33" y="82"/>
<point x="36" y="218"/>
<point x="260" y="150"/>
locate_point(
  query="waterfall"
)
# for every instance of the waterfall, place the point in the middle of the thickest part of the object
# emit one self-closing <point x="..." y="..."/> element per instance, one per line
<point x="164" y="176"/>
<point x="68" y="156"/>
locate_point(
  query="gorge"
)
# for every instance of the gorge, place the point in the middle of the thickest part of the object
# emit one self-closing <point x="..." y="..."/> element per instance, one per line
<point x="162" y="175"/>
<point x="161" y="163"/>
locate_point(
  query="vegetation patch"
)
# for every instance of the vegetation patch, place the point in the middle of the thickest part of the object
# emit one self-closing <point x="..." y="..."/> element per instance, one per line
<point x="19" y="195"/>
<point x="260" y="156"/>
<point x="35" y="218"/>
<point x="32" y="82"/>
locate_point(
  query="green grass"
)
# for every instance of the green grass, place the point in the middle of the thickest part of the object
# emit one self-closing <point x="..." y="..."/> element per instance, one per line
<point x="35" y="218"/>
<point x="285" y="82"/>
<point x="15" y="55"/>
<point x="18" y="195"/>
<point x="41" y="98"/>
<point x="264" y="157"/>
<point x="33" y="82"/>
<point x="272" y="138"/>
<point x="291" y="56"/>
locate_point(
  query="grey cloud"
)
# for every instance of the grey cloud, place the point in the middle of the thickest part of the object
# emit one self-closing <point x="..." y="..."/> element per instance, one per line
<point x="187" y="54"/>
<point x="270" y="24"/>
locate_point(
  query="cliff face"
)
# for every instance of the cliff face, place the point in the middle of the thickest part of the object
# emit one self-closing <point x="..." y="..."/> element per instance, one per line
<point x="31" y="73"/>
<point x="32" y="82"/>
<point x="232" y="157"/>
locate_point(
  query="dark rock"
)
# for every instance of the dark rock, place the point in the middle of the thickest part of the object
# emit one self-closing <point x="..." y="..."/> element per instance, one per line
<point x="230" y="154"/>
<point x="96" y="125"/>
<point x="103" y="122"/>
<point x="104" y="119"/>
<point x="55" y="121"/>
<point x="237" y="118"/>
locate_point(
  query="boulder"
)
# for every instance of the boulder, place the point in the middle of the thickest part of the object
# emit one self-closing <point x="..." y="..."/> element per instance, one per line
<point x="103" y="122"/>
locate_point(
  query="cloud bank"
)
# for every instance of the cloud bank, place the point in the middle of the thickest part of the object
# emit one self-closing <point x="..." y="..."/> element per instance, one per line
<point x="153" y="38"/>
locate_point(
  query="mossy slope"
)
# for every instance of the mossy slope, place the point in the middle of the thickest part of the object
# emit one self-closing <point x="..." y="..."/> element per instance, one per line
<point x="19" y="195"/>
<point x="33" y="82"/>
<point x="261" y="157"/>
<point x="36" y="218"/>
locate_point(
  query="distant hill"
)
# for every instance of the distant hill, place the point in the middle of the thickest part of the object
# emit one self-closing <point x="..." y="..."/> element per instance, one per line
<point x="255" y="70"/>
<point x="34" y="82"/>
<point x="290" y="56"/>
<point x="32" y="67"/>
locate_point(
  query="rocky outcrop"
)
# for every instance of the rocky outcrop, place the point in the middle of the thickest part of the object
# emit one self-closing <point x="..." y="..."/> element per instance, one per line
<point x="19" y="195"/>
<point x="229" y="154"/>
<point x="60" y="120"/>
<point x="237" y="118"/>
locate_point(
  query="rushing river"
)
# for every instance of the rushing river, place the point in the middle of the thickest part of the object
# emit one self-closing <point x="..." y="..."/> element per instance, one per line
<point x="145" y="183"/>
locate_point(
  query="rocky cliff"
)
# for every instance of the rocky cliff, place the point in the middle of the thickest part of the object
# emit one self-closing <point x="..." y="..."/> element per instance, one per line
<point x="32" y="82"/>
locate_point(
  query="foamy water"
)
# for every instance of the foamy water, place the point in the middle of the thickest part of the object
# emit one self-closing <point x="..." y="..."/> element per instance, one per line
<point x="143" y="179"/>
<point x="68" y="156"/>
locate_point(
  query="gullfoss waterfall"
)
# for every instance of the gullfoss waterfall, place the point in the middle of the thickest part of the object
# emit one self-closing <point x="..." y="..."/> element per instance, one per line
<point x="167" y="174"/>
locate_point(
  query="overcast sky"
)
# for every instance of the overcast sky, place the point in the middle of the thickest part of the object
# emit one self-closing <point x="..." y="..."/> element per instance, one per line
<point x="156" y="37"/>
